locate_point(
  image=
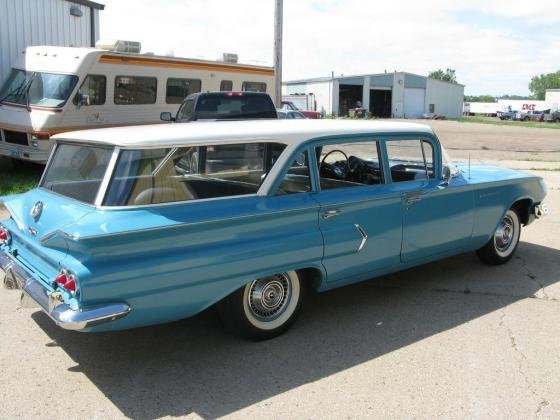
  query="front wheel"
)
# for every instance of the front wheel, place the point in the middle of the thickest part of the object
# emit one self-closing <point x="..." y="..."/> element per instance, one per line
<point x="502" y="245"/>
<point x="263" y="308"/>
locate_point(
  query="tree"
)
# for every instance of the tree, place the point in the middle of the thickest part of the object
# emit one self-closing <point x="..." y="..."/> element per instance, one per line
<point x="539" y="84"/>
<point x="480" y="98"/>
<point x="447" y="76"/>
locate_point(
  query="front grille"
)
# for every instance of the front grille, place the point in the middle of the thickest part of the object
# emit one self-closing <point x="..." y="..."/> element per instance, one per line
<point x="15" y="137"/>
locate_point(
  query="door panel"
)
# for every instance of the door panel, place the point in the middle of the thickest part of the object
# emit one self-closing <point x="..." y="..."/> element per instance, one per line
<point x="364" y="234"/>
<point x="436" y="219"/>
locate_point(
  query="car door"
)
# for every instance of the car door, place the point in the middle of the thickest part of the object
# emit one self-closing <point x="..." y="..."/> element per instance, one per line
<point x="437" y="216"/>
<point x="359" y="218"/>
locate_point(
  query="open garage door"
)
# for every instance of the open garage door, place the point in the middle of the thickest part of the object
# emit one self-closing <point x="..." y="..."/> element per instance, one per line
<point x="380" y="103"/>
<point x="413" y="102"/>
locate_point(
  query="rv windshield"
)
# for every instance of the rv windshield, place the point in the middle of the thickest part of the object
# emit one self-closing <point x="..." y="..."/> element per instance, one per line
<point x="35" y="88"/>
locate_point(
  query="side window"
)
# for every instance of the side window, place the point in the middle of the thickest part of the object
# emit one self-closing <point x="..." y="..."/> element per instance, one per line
<point x="253" y="87"/>
<point x="185" y="112"/>
<point x="151" y="176"/>
<point x="133" y="90"/>
<point x="226" y="85"/>
<point x="349" y="164"/>
<point x="177" y="89"/>
<point x="297" y="178"/>
<point x="93" y="89"/>
<point x="410" y="160"/>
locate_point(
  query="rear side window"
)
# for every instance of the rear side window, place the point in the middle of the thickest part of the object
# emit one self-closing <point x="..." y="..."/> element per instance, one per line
<point x="410" y="160"/>
<point x="76" y="171"/>
<point x="134" y="90"/>
<point x="178" y="89"/>
<point x="152" y="176"/>
<point x="94" y="88"/>
<point x="253" y="87"/>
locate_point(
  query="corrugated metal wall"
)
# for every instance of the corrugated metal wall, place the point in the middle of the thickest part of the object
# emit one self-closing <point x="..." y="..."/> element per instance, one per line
<point x="41" y="22"/>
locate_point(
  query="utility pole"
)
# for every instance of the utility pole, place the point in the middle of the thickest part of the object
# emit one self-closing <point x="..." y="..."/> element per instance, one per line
<point x="278" y="16"/>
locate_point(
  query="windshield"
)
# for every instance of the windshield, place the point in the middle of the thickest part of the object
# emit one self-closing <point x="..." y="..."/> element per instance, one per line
<point x="35" y="88"/>
<point x="76" y="171"/>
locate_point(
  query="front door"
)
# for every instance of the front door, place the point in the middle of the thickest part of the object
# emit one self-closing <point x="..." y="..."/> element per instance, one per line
<point x="437" y="218"/>
<point x="361" y="223"/>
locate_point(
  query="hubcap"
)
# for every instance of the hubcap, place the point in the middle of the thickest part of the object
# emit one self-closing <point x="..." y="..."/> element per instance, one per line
<point x="504" y="235"/>
<point x="268" y="297"/>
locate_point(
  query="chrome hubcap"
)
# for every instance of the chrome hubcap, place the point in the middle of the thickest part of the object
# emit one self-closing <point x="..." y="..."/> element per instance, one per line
<point x="504" y="235"/>
<point x="268" y="297"/>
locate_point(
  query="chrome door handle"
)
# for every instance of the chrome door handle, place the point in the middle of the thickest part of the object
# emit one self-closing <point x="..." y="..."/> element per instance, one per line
<point x="412" y="197"/>
<point x="331" y="213"/>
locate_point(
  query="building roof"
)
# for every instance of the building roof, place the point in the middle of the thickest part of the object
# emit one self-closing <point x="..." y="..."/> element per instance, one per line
<point x="282" y="131"/>
<point x="327" y="79"/>
<point x="88" y="3"/>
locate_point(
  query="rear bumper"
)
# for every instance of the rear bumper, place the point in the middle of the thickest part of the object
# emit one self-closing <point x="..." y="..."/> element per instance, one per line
<point x="32" y="154"/>
<point x="70" y="318"/>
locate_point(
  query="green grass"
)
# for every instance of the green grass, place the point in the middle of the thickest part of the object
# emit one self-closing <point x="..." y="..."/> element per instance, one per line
<point x="18" y="180"/>
<point x="497" y="121"/>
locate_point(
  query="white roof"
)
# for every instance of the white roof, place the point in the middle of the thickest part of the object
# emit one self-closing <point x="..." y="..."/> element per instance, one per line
<point x="282" y="131"/>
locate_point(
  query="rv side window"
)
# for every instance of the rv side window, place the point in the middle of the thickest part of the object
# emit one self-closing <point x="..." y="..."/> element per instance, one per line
<point x="179" y="89"/>
<point x="133" y="90"/>
<point x="253" y="87"/>
<point x="226" y="85"/>
<point x="92" y="90"/>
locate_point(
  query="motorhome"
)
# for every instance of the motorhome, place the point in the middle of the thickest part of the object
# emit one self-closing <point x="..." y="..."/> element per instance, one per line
<point x="57" y="89"/>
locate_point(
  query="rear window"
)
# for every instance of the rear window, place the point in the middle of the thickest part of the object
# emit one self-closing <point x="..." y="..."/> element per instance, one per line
<point x="152" y="176"/>
<point x="76" y="171"/>
<point x="218" y="107"/>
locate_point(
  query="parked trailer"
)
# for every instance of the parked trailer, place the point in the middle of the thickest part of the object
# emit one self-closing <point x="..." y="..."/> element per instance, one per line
<point x="58" y="89"/>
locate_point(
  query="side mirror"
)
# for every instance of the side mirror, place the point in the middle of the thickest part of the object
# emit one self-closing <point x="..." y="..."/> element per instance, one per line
<point x="166" y="116"/>
<point x="448" y="174"/>
<point x="82" y="100"/>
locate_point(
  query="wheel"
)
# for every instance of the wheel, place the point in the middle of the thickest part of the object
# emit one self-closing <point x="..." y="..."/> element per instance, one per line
<point x="502" y="245"/>
<point x="263" y="308"/>
<point x="526" y="119"/>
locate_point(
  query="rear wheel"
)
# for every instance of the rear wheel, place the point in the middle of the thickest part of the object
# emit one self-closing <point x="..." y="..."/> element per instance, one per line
<point x="502" y="245"/>
<point x="263" y="308"/>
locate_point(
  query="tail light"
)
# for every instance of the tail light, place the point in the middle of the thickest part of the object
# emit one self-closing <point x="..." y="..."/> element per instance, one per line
<point x="5" y="237"/>
<point x="66" y="280"/>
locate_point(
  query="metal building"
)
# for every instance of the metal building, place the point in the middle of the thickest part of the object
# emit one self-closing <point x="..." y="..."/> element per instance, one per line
<point x="45" y="22"/>
<point x="386" y="95"/>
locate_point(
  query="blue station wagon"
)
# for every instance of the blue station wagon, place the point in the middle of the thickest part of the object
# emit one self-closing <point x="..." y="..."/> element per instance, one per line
<point x="141" y="225"/>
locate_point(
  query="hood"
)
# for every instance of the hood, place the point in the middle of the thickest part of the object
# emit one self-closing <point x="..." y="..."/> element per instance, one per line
<point x="490" y="173"/>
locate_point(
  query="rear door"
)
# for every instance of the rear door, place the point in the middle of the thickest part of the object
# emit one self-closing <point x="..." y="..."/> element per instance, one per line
<point x="359" y="218"/>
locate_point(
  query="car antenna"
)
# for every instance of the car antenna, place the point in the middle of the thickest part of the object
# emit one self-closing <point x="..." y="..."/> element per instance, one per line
<point x="469" y="166"/>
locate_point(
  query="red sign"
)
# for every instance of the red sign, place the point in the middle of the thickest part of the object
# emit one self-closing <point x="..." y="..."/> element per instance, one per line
<point x="528" y="107"/>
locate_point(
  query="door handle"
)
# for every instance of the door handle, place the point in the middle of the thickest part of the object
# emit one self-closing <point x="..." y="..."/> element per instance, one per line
<point x="412" y="197"/>
<point x="331" y="213"/>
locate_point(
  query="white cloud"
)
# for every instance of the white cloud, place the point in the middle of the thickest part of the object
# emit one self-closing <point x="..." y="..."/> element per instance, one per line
<point x="354" y="36"/>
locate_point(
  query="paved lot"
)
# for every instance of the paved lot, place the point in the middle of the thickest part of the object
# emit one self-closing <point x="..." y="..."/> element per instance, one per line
<point x="453" y="339"/>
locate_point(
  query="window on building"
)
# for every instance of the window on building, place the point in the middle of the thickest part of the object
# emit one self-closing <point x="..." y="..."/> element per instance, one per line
<point x="351" y="164"/>
<point x="432" y="108"/>
<point x="134" y="90"/>
<point x="179" y="89"/>
<point x="226" y="85"/>
<point x="93" y="88"/>
<point x="253" y="87"/>
<point x="410" y="160"/>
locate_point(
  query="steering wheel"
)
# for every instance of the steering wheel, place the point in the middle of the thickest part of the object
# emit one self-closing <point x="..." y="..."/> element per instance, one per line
<point x="337" y="171"/>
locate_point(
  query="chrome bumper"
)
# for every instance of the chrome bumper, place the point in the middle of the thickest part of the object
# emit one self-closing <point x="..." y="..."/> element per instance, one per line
<point x="540" y="210"/>
<point x="51" y="302"/>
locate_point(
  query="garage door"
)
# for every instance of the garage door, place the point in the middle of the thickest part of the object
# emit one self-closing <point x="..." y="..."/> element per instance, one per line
<point x="413" y="102"/>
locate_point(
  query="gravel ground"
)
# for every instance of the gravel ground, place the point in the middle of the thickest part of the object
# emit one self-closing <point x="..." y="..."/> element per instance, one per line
<point x="450" y="339"/>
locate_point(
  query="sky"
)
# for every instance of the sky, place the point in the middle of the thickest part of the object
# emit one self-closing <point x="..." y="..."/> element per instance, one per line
<point x="495" y="46"/>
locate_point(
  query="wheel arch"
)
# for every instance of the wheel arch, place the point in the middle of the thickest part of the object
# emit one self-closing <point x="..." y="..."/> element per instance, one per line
<point x="523" y="208"/>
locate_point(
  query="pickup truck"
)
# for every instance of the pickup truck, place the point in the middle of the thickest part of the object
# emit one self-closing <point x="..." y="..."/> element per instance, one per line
<point x="552" y="116"/>
<point x="507" y="114"/>
<point x="529" y="116"/>
<point x="216" y="106"/>
<point x="290" y="106"/>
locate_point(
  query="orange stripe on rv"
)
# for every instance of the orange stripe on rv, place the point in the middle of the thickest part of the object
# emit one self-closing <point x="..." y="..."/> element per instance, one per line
<point x="159" y="62"/>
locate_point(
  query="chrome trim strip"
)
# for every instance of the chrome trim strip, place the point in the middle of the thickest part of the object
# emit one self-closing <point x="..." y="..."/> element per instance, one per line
<point x="64" y="315"/>
<point x="364" y="236"/>
<point x="106" y="178"/>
